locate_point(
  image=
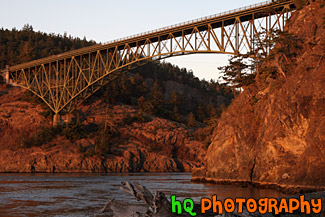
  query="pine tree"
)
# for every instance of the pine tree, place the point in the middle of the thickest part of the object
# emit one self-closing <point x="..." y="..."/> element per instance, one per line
<point x="18" y="46"/>
<point x="28" y="28"/>
<point x="141" y="102"/>
<point x="176" y="115"/>
<point x="156" y="98"/>
<point x="237" y="73"/>
<point x="191" y="122"/>
<point x="125" y="88"/>
<point x="174" y="100"/>
<point x="26" y="53"/>
<point x="201" y="113"/>
<point x="140" y="85"/>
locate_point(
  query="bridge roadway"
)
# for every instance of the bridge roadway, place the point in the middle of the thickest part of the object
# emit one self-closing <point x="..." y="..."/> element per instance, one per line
<point x="65" y="80"/>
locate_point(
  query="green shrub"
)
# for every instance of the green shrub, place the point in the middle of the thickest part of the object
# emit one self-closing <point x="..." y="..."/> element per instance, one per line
<point x="47" y="113"/>
<point x="73" y="131"/>
<point x="39" y="137"/>
<point x="103" y="144"/>
<point x="3" y="92"/>
<point x="105" y="141"/>
<point x="191" y="121"/>
<point x="128" y="119"/>
<point x="142" y="118"/>
<point x="30" y="97"/>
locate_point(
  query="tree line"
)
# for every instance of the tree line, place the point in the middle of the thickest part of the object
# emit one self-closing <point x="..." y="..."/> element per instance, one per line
<point x="19" y="46"/>
<point x="146" y="88"/>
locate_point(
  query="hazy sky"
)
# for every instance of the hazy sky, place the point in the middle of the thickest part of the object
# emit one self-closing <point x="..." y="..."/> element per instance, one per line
<point x="105" y="20"/>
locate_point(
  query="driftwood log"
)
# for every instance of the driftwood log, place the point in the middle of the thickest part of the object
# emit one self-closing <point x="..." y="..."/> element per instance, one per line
<point x="157" y="205"/>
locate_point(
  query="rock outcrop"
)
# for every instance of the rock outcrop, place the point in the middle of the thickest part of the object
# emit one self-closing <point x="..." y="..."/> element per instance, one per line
<point x="273" y="133"/>
<point x="69" y="160"/>
<point x="157" y="145"/>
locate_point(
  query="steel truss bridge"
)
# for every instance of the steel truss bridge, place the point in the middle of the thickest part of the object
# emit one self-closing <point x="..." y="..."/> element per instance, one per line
<point x="63" y="81"/>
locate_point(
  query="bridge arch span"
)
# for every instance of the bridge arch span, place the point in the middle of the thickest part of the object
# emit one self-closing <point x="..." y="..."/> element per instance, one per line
<point x="65" y="80"/>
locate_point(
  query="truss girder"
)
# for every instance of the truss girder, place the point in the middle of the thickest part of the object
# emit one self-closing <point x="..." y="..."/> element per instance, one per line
<point x="65" y="80"/>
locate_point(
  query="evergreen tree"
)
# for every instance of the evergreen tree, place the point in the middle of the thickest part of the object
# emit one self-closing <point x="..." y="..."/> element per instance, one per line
<point x="201" y="113"/>
<point x="125" y="88"/>
<point x="141" y="103"/>
<point x="191" y="122"/>
<point x="26" y="53"/>
<point x="156" y="98"/>
<point x="18" y="46"/>
<point x="140" y="85"/>
<point x="237" y="73"/>
<point x="174" y="99"/>
<point x="176" y="116"/>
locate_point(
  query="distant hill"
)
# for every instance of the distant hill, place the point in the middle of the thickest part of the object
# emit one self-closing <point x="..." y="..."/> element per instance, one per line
<point x="18" y="46"/>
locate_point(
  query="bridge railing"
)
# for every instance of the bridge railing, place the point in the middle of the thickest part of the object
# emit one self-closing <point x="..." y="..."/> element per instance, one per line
<point x="193" y="21"/>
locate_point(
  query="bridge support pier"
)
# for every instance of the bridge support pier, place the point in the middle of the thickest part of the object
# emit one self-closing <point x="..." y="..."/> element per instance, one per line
<point x="5" y="75"/>
<point x="67" y="118"/>
<point x="56" y="120"/>
<point x="60" y="119"/>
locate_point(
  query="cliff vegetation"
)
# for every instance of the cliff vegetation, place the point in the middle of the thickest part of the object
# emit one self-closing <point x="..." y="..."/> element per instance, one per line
<point x="273" y="133"/>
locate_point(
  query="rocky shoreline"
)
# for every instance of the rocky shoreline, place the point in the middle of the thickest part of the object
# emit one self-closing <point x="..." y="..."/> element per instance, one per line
<point x="60" y="159"/>
<point x="287" y="189"/>
<point x="157" y="145"/>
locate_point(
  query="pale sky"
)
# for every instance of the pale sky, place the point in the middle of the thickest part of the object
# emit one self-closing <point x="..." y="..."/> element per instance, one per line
<point x="105" y="20"/>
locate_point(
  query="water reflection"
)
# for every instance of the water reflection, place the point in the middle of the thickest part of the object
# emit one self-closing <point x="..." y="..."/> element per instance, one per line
<point x="86" y="194"/>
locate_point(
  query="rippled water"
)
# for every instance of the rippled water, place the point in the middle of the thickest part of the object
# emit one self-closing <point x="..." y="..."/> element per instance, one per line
<point x="86" y="194"/>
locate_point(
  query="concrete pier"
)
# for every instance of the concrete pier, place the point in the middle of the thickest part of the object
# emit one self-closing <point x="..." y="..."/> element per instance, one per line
<point x="6" y="74"/>
<point x="56" y="120"/>
<point x="67" y="118"/>
<point x="61" y="119"/>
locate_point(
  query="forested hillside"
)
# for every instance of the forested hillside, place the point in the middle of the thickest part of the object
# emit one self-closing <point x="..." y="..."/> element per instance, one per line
<point x="156" y="117"/>
<point x="166" y="91"/>
<point x="151" y="87"/>
<point x="18" y="46"/>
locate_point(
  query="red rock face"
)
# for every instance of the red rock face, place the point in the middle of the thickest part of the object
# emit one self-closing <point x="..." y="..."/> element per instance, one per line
<point x="155" y="146"/>
<point x="280" y="138"/>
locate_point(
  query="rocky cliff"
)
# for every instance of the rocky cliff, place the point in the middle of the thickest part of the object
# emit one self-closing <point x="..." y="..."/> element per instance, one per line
<point x="274" y="132"/>
<point x="155" y="145"/>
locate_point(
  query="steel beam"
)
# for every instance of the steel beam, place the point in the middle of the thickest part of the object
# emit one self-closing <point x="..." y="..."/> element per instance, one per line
<point x="65" y="80"/>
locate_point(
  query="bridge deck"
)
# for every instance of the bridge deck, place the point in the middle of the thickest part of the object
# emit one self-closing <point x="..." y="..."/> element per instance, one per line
<point x="223" y="19"/>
